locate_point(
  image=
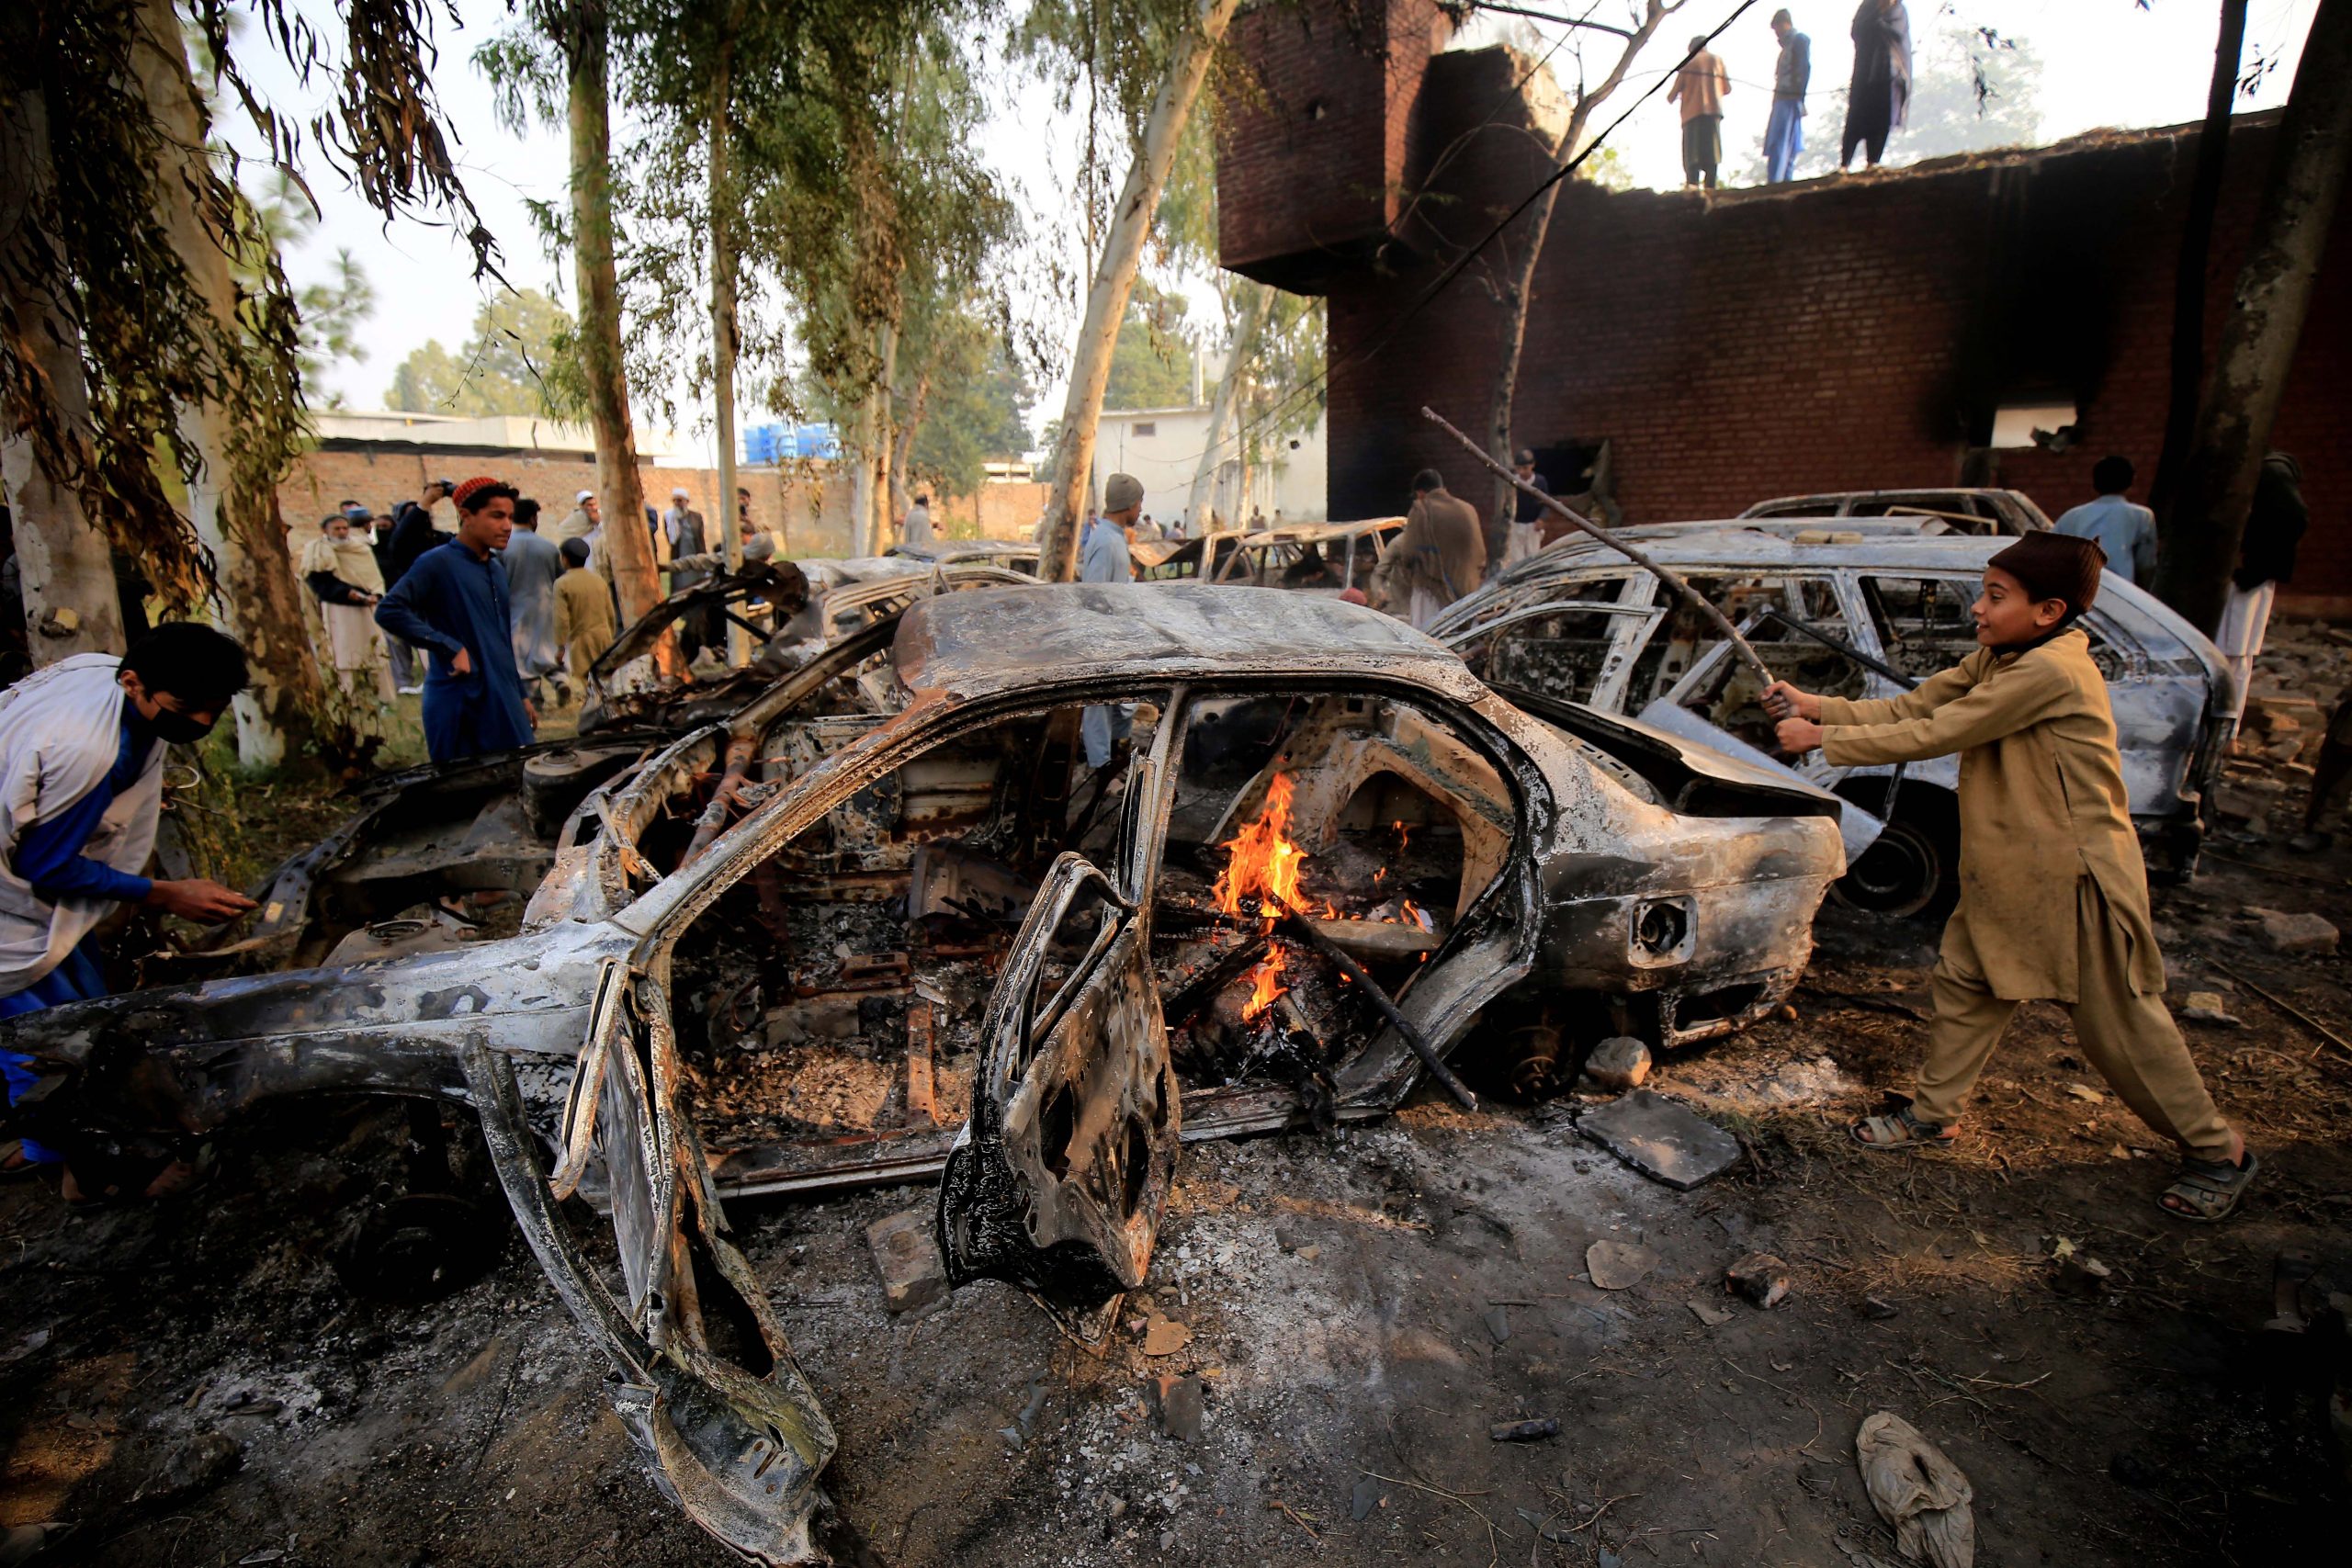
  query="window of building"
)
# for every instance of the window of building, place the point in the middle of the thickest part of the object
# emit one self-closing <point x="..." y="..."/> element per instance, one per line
<point x="1144" y="427"/>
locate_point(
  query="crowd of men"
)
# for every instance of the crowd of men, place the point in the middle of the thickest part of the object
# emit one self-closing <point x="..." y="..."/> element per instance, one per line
<point x="412" y="601"/>
<point x="1878" y="97"/>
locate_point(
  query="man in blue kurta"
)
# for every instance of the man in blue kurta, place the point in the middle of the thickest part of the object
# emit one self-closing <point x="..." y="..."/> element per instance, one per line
<point x="454" y="603"/>
<point x="80" y="790"/>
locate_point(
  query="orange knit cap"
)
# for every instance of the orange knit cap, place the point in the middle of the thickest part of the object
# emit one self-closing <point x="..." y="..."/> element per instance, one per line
<point x="469" y="488"/>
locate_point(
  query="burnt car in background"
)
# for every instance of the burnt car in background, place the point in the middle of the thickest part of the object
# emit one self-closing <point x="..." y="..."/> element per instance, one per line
<point x="1865" y="614"/>
<point x="882" y="922"/>
<point x="1326" y="558"/>
<point x="789" y="611"/>
<point x="1965" y="509"/>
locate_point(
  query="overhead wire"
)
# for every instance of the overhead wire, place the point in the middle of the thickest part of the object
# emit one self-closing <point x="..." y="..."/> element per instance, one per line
<point x="1454" y="270"/>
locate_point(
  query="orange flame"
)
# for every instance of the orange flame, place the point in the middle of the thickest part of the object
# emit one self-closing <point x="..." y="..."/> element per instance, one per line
<point x="1404" y="836"/>
<point x="1264" y="983"/>
<point x="1413" y="916"/>
<point x="1262" y="857"/>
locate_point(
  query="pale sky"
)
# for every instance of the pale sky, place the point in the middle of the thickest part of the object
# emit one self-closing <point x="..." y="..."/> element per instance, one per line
<point x="2105" y="63"/>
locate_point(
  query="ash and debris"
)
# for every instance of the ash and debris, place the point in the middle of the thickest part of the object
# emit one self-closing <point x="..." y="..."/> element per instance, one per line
<point x="1346" y="1318"/>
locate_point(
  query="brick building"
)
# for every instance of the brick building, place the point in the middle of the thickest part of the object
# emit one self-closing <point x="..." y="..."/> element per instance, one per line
<point x="1830" y="334"/>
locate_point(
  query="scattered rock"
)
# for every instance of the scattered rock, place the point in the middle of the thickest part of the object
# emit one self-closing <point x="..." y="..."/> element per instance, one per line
<point x="1661" y="1139"/>
<point x="1498" y="1321"/>
<point x="1529" y="1431"/>
<point x="1177" y="1405"/>
<point x="1709" y="1313"/>
<point x="2208" y="1007"/>
<point x="1877" y="1309"/>
<point x="1614" y="1265"/>
<point x="1759" y="1278"/>
<point x="1364" y="1498"/>
<point x="1290" y="1233"/>
<point x="193" y="1468"/>
<point x="2233" y="803"/>
<point x="1553" y="1527"/>
<point x="2084" y="1092"/>
<point x="1620" y="1062"/>
<point x="906" y="1254"/>
<point x="1164" y="1335"/>
<point x="1025" y="1421"/>
<point x="2078" y="1273"/>
<point x="2297" y="934"/>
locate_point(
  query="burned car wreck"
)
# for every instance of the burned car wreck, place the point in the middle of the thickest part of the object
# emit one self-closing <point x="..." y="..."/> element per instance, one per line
<point x="882" y="922"/>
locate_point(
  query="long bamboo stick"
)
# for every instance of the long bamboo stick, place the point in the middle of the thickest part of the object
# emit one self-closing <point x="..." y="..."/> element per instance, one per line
<point x="1690" y="594"/>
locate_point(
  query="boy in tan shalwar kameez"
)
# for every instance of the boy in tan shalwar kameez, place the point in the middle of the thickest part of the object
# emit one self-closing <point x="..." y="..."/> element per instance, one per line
<point x="2053" y="900"/>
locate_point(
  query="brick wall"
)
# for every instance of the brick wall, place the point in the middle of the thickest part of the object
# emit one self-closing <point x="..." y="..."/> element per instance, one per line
<point x="809" y="510"/>
<point x="1827" y="335"/>
<point x="1312" y="152"/>
<point x="804" y="503"/>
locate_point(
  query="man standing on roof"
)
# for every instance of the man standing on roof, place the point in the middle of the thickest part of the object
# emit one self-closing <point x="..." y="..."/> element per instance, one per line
<point x="1438" y="556"/>
<point x="455" y="602"/>
<point x="2127" y="533"/>
<point x="1700" y="86"/>
<point x="1784" y="132"/>
<point x="1878" y="97"/>
<point x="1105" y="558"/>
<point x="82" y="779"/>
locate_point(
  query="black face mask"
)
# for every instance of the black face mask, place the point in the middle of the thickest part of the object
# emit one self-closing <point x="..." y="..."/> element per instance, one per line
<point x="179" y="728"/>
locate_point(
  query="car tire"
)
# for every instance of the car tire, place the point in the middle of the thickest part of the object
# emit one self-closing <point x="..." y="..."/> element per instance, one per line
<point x="1913" y="871"/>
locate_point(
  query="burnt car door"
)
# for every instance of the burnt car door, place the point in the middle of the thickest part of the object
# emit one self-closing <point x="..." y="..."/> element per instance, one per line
<point x="1059" y="1178"/>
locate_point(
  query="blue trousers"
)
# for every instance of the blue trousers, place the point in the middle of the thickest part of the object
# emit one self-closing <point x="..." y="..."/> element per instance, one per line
<point x="1101" y="726"/>
<point x="74" y="980"/>
<point x="1783" y="140"/>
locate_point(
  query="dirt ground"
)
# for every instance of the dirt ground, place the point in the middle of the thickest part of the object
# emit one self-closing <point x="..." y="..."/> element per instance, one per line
<point x="192" y="1383"/>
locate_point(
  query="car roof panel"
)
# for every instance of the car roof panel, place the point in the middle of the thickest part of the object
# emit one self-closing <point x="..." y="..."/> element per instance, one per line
<point x="995" y="638"/>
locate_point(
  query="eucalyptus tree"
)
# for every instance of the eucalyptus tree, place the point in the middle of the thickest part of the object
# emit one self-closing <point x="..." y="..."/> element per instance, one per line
<point x="555" y="62"/>
<point x="1153" y="57"/>
<point x="1625" y="27"/>
<point x="142" y="311"/>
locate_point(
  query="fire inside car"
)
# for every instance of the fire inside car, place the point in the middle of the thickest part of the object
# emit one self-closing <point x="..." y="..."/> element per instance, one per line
<point x="1235" y="905"/>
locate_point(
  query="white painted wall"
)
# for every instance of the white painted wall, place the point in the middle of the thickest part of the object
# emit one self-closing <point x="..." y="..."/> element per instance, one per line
<point x="1162" y="449"/>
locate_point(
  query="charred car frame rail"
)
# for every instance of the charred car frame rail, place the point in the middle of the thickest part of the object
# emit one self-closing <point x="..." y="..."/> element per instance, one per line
<point x="882" y="922"/>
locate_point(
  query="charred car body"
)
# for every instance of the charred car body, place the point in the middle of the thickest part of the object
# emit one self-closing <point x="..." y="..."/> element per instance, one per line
<point x="1862" y="616"/>
<point x="882" y="922"/>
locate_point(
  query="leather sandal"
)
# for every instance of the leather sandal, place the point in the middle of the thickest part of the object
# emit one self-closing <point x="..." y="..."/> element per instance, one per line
<point x="2209" y="1190"/>
<point x="1900" y="1129"/>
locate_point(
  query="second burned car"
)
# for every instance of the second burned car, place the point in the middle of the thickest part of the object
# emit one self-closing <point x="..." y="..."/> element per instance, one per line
<point x="883" y="923"/>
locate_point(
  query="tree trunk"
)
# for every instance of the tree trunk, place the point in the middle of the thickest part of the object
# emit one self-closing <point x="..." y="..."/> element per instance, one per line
<point x="232" y="504"/>
<point x="2199" y="542"/>
<point x="903" y="450"/>
<point x="1520" y="291"/>
<point x="1241" y="345"/>
<point x="884" y="522"/>
<point x="2187" y="373"/>
<point x="723" y="343"/>
<point x="62" y="561"/>
<point x="1115" y="275"/>
<point x="618" y="486"/>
